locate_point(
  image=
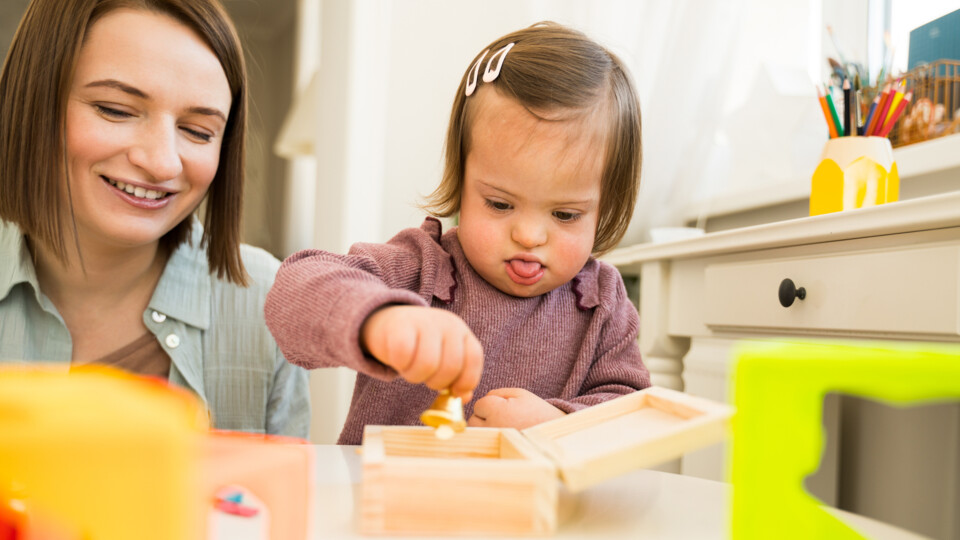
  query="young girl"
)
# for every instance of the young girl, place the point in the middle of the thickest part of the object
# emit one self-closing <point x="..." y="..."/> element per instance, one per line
<point x="542" y="168"/>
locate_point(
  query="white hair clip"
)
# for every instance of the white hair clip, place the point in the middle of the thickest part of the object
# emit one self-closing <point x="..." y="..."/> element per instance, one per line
<point x="490" y="76"/>
<point x="475" y="71"/>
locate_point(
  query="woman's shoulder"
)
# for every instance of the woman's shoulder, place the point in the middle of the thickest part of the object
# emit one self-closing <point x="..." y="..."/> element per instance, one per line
<point x="241" y="307"/>
<point x="261" y="266"/>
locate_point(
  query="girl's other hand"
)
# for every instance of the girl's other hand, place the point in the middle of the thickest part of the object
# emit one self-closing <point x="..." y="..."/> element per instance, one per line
<point x="512" y="407"/>
<point x="425" y="345"/>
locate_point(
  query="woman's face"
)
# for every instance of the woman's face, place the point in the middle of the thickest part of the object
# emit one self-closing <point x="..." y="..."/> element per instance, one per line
<point x="146" y="116"/>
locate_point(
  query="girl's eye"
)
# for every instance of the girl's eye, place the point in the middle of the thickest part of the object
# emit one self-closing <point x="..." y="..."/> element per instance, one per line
<point x="497" y="205"/>
<point x="199" y="135"/>
<point x="110" y="112"/>
<point x="566" y="216"/>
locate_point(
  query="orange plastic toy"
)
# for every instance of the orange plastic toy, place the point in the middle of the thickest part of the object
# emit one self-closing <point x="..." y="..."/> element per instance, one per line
<point x="98" y="453"/>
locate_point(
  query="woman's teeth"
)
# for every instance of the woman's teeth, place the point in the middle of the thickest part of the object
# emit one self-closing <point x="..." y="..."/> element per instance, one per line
<point x="137" y="191"/>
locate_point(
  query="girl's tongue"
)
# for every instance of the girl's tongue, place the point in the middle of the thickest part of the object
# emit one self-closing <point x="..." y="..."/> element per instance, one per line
<point x="525" y="269"/>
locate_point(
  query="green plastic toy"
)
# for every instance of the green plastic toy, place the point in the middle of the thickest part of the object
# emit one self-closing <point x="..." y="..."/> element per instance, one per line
<point x="779" y="388"/>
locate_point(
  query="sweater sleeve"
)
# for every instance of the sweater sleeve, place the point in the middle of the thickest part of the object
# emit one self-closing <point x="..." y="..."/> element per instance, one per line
<point x="320" y="299"/>
<point x="617" y="368"/>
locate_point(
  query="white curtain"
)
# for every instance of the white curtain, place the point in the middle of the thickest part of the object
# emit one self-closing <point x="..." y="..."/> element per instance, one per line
<point x="393" y="66"/>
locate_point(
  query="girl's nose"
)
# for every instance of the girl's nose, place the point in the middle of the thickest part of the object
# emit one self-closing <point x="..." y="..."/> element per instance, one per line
<point x="156" y="152"/>
<point x="529" y="233"/>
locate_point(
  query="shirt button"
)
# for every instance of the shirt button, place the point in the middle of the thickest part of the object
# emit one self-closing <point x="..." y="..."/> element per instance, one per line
<point x="158" y="317"/>
<point x="172" y="341"/>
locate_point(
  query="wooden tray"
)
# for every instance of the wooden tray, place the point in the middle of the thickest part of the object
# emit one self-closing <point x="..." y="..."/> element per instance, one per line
<point x="502" y="481"/>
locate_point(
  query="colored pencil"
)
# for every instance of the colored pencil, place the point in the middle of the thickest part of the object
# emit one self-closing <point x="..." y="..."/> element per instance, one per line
<point x="847" y="109"/>
<point x="873" y="108"/>
<point x="895" y="100"/>
<point x="881" y="110"/>
<point x="902" y="106"/>
<point x="826" y="113"/>
<point x="833" y="113"/>
<point x="858" y="112"/>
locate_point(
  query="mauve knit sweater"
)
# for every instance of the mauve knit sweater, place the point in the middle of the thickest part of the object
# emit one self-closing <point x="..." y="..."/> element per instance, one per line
<point x="574" y="346"/>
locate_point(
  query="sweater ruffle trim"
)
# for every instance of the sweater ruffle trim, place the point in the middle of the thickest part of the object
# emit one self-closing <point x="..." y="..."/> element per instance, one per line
<point x="585" y="286"/>
<point x="446" y="280"/>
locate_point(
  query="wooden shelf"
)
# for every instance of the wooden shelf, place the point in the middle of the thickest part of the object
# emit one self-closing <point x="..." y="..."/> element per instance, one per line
<point x="925" y="213"/>
<point x="928" y="157"/>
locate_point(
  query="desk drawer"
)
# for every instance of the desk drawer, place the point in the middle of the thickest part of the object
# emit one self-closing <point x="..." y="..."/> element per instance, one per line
<point x="907" y="291"/>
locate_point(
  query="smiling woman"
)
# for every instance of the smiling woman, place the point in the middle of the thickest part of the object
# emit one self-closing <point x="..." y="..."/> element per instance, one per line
<point x="114" y="127"/>
<point x="133" y="127"/>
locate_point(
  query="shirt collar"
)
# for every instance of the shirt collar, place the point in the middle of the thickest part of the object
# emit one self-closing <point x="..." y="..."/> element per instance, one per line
<point x="184" y="288"/>
<point x="183" y="291"/>
<point x="13" y="247"/>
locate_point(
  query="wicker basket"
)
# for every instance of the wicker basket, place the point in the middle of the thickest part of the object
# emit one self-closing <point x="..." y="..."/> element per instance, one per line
<point x="935" y="108"/>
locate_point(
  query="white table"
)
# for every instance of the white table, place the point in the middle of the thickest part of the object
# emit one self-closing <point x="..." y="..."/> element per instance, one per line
<point x="886" y="272"/>
<point x="643" y="504"/>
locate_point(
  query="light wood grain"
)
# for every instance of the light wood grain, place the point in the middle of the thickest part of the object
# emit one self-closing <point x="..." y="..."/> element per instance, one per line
<point x="638" y="430"/>
<point x="482" y="481"/>
<point x="494" y="481"/>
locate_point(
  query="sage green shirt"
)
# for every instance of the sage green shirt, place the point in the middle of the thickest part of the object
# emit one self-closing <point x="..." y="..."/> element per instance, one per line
<point x="212" y="330"/>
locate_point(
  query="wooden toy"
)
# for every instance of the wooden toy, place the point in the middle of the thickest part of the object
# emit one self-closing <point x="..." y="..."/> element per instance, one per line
<point x="504" y="481"/>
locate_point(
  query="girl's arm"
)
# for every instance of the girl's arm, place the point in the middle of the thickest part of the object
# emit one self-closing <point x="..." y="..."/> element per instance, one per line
<point x="339" y="310"/>
<point x="617" y="368"/>
<point x="320" y="300"/>
<point x="616" y="372"/>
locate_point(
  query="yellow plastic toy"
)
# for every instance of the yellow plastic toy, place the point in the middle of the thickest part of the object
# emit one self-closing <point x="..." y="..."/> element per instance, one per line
<point x="854" y="172"/>
<point x="101" y="454"/>
<point x="777" y="430"/>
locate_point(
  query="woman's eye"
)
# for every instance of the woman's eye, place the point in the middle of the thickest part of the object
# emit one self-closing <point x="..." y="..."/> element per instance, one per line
<point x="199" y="135"/>
<point x="497" y="205"/>
<point x="110" y="112"/>
<point x="566" y="216"/>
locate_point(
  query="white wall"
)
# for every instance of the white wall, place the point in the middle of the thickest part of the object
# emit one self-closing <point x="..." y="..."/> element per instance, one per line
<point x="388" y="71"/>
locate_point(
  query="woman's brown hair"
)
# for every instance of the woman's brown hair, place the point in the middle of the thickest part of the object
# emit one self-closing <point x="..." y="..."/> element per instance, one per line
<point x="552" y="67"/>
<point x="34" y="88"/>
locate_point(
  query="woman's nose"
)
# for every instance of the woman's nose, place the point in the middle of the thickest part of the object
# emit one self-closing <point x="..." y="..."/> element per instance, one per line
<point x="529" y="233"/>
<point x="156" y="152"/>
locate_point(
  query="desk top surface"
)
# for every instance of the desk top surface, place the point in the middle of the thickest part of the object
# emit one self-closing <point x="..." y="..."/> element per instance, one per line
<point x="641" y="504"/>
<point x="920" y="214"/>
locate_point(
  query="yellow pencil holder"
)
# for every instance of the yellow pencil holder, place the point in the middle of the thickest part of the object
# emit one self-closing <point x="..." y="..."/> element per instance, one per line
<point x="854" y="172"/>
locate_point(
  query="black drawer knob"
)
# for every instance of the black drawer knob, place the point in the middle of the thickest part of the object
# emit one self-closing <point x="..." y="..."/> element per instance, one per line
<point x="789" y="291"/>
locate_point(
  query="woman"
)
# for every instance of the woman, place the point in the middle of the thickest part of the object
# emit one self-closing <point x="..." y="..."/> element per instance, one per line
<point x="117" y="119"/>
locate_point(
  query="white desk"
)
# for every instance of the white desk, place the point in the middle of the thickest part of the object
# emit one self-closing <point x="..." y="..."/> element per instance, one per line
<point x="890" y="272"/>
<point x="643" y="504"/>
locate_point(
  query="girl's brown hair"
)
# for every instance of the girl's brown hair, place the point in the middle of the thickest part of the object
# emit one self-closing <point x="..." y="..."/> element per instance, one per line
<point x="34" y="88"/>
<point x="552" y="67"/>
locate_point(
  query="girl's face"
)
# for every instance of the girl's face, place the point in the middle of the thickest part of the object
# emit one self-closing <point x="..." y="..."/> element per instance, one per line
<point x="145" y="119"/>
<point x="531" y="193"/>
